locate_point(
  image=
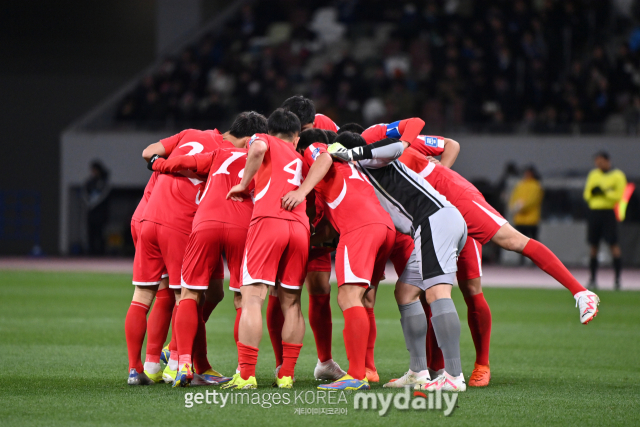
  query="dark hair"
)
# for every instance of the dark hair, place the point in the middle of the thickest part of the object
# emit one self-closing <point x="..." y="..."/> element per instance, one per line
<point x="248" y="123"/>
<point x="351" y="127"/>
<point x="310" y="136"/>
<point x="99" y="166"/>
<point x="350" y="140"/>
<point x="603" y="154"/>
<point x="302" y="107"/>
<point x="533" y="171"/>
<point x="283" y="122"/>
<point x="331" y="136"/>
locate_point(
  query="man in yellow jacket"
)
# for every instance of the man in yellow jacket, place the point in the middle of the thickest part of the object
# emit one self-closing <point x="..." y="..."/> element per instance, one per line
<point x="526" y="203"/>
<point x="604" y="188"/>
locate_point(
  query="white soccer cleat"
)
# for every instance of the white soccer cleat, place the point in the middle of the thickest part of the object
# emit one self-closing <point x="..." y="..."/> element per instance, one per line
<point x="587" y="302"/>
<point x="410" y="378"/>
<point x="444" y="382"/>
<point x="328" y="370"/>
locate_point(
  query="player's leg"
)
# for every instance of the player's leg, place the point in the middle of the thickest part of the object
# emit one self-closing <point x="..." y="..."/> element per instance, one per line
<point x="478" y="312"/>
<point x="508" y="238"/>
<point x="266" y="241"/>
<point x="147" y="270"/>
<point x="319" y="288"/>
<point x="611" y="238"/>
<point x="275" y="321"/>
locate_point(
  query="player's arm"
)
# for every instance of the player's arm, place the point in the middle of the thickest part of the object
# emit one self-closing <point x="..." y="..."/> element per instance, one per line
<point x="257" y="150"/>
<point x="589" y="187"/>
<point x="199" y="163"/>
<point x="450" y="152"/>
<point x="318" y="170"/>
<point x="375" y="155"/>
<point x="162" y="148"/>
<point x="617" y="191"/>
<point x="410" y="129"/>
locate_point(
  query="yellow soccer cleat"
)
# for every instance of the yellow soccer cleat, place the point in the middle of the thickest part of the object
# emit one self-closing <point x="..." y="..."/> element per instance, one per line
<point x="284" y="382"/>
<point x="184" y="376"/>
<point x="238" y="383"/>
<point x="165" y="355"/>
<point x="156" y="378"/>
<point x="168" y="375"/>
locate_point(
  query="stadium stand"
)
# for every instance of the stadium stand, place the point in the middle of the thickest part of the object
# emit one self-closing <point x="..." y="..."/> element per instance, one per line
<point x="523" y="66"/>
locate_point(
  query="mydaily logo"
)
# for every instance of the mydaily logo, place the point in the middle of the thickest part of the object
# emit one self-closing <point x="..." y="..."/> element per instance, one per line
<point x="420" y="401"/>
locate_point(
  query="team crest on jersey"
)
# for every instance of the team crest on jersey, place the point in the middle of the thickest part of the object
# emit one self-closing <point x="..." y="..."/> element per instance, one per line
<point x="431" y="141"/>
<point x="315" y="153"/>
<point x="253" y="138"/>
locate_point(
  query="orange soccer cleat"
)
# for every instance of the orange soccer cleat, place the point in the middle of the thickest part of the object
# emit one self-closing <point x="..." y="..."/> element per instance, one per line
<point x="372" y="375"/>
<point x="480" y="376"/>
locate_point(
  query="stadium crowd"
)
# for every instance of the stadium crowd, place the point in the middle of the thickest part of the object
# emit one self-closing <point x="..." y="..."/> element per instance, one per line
<point x="484" y="66"/>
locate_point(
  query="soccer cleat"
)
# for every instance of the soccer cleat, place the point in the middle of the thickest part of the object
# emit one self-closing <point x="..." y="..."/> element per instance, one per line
<point x="587" y="302"/>
<point x="480" y="376"/>
<point x="210" y="377"/>
<point x="346" y="383"/>
<point x="156" y="378"/>
<point x="444" y="382"/>
<point x="284" y="382"/>
<point x="169" y="375"/>
<point x="136" y="378"/>
<point x="372" y="375"/>
<point x="166" y="353"/>
<point x="409" y="378"/>
<point x="238" y="383"/>
<point x="435" y="374"/>
<point x="277" y="371"/>
<point x="184" y="376"/>
<point x="328" y="370"/>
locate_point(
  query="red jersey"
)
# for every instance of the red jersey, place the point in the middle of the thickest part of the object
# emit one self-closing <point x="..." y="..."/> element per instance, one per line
<point x="175" y="198"/>
<point x="137" y="214"/>
<point x="405" y="130"/>
<point x="350" y="199"/>
<point x="282" y="170"/>
<point x="428" y="145"/>
<point x="447" y="182"/>
<point x="325" y="123"/>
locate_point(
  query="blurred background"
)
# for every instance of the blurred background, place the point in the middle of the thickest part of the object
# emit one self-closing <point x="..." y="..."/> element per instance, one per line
<point x="531" y="89"/>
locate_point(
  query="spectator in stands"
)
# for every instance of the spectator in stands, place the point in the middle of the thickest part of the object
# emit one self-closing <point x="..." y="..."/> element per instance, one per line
<point x="96" y="198"/>
<point x="603" y="189"/>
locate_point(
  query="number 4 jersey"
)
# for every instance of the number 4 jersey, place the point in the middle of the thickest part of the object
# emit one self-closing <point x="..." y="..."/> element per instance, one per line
<point x="175" y="198"/>
<point x="282" y="170"/>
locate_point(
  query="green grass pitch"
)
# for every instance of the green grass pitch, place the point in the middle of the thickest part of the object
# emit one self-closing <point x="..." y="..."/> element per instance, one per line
<point x="64" y="361"/>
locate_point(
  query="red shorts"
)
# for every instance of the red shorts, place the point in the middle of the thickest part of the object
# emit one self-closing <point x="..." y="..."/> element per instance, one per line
<point x="362" y="254"/>
<point x="319" y="259"/>
<point x="470" y="261"/>
<point x="276" y="249"/>
<point x="483" y="221"/>
<point x="203" y="256"/>
<point x="135" y="231"/>
<point x="401" y="252"/>
<point x="158" y="246"/>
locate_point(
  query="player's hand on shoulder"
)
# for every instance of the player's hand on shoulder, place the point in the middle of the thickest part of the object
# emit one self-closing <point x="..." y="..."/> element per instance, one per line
<point x="237" y="193"/>
<point x="292" y="199"/>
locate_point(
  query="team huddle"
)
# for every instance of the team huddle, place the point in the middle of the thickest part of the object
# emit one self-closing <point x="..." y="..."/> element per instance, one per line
<point x="277" y="196"/>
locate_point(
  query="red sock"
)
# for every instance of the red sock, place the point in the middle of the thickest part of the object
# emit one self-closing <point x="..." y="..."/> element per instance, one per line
<point x="369" y="361"/>
<point x="320" y="321"/>
<point x="237" y="324"/>
<point x="173" y="344"/>
<point x="275" y="321"/>
<point x="135" y="326"/>
<point x="356" y="335"/>
<point x="479" y="318"/>
<point x="158" y="324"/>
<point x="247" y="357"/>
<point x="200" y="361"/>
<point x="186" y="326"/>
<point x="435" y="359"/>
<point x="290" y="353"/>
<point x="207" y="309"/>
<point x="550" y="264"/>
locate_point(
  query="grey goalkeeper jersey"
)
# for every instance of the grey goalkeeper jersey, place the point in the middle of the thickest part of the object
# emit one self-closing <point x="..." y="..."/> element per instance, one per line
<point x="408" y="198"/>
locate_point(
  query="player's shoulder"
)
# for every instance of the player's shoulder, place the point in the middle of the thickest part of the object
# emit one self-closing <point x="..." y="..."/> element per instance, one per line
<point x="316" y="149"/>
<point x="325" y="123"/>
<point x="432" y="141"/>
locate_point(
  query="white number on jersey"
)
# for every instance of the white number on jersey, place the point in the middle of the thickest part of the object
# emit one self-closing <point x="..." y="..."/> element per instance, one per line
<point x="223" y="170"/>
<point x="196" y="148"/>
<point x="297" y="172"/>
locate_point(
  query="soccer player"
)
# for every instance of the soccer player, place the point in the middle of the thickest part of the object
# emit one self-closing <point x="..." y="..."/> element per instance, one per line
<point x="318" y="266"/>
<point x="367" y="236"/>
<point x="219" y="225"/>
<point x="161" y="243"/>
<point x="277" y="246"/>
<point x="439" y="232"/>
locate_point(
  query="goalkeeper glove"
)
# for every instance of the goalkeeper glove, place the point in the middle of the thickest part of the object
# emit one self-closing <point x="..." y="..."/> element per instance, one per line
<point x="338" y="151"/>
